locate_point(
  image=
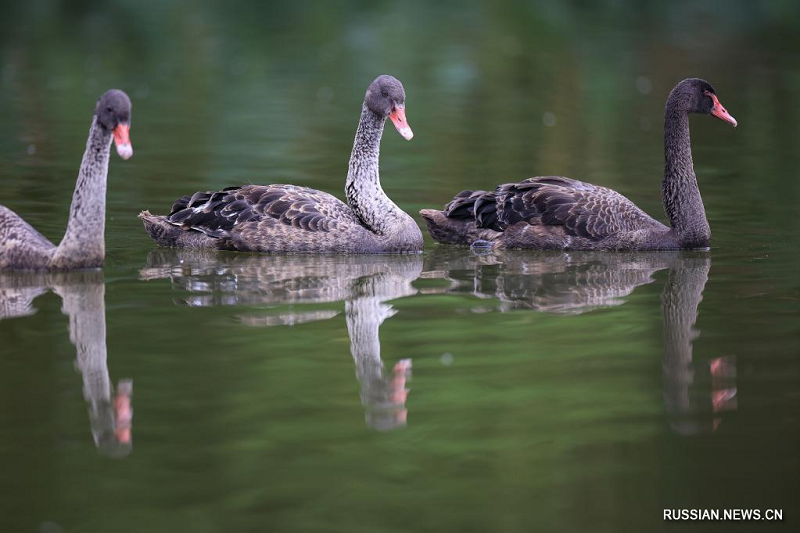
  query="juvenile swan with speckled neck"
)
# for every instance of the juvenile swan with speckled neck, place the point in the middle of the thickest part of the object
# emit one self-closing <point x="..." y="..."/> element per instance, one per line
<point x="557" y="213"/>
<point x="288" y="218"/>
<point x="83" y="245"/>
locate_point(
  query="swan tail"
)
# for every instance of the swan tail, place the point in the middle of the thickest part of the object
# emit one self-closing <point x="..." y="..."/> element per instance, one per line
<point x="446" y="230"/>
<point x="164" y="233"/>
<point x="470" y="216"/>
<point x="443" y="229"/>
<point x="477" y="206"/>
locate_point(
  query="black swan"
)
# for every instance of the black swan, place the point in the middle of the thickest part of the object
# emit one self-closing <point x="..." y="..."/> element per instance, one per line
<point x="83" y="244"/>
<point x="557" y="213"/>
<point x="288" y="218"/>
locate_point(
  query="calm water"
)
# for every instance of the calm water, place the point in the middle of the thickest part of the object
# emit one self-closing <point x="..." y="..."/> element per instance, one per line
<point x="185" y="391"/>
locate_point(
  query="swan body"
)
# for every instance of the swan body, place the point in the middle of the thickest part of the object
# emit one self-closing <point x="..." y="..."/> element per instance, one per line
<point x="548" y="213"/>
<point x="558" y="213"/>
<point x="275" y="218"/>
<point x="83" y="244"/>
<point x="286" y="218"/>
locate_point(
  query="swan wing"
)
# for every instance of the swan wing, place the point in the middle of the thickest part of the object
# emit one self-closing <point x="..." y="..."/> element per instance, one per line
<point x="21" y="246"/>
<point x="217" y="213"/>
<point x="479" y="205"/>
<point x="13" y="230"/>
<point x="584" y="210"/>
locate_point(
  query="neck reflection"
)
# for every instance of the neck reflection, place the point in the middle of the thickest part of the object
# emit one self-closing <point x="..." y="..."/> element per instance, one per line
<point x="695" y="393"/>
<point x="83" y="301"/>
<point x="364" y="283"/>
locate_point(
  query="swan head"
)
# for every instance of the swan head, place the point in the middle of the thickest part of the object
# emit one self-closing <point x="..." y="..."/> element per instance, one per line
<point x="113" y="113"/>
<point x="386" y="98"/>
<point x="699" y="96"/>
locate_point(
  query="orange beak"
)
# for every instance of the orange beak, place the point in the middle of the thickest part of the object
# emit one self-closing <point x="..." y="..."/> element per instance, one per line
<point x="398" y="116"/>
<point x="123" y="141"/>
<point x="123" y="410"/>
<point x="720" y="112"/>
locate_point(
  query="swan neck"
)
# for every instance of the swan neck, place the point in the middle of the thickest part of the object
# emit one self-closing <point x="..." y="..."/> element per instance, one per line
<point x="363" y="187"/>
<point x="682" y="201"/>
<point x="83" y="245"/>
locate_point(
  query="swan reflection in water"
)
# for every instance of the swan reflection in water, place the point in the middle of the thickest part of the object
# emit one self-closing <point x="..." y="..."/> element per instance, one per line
<point x="365" y="283"/>
<point x="695" y="393"/>
<point x="83" y="301"/>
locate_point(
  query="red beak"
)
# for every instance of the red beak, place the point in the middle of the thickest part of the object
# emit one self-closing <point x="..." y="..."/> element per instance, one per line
<point x="123" y="141"/>
<point x="720" y="112"/>
<point x="398" y="116"/>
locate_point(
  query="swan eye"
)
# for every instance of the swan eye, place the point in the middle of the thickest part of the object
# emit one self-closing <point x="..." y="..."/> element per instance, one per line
<point x="109" y="109"/>
<point x="385" y="93"/>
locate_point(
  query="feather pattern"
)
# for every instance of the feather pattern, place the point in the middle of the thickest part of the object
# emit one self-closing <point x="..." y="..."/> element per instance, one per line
<point x="584" y="210"/>
<point x="544" y="212"/>
<point x="564" y="206"/>
<point x="219" y="213"/>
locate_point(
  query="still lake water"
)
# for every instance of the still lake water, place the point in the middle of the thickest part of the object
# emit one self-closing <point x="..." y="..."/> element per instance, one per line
<point x="446" y="392"/>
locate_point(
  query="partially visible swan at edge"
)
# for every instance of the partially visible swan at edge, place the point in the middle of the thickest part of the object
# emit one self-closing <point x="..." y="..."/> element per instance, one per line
<point x="288" y="218"/>
<point x="83" y="244"/>
<point x="557" y="213"/>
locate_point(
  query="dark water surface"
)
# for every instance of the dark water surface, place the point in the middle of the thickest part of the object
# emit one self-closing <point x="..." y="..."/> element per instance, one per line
<point x="446" y="392"/>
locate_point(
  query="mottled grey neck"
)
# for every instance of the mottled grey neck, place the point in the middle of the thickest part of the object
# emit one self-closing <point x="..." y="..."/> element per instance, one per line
<point x="363" y="187"/>
<point x="83" y="245"/>
<point x="682" y="201"/>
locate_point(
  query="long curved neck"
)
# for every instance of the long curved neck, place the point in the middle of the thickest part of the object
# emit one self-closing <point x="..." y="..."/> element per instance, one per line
<point x="363" y="187"/>
<point x="682" y="201"/>
<point x="83" y="245"/>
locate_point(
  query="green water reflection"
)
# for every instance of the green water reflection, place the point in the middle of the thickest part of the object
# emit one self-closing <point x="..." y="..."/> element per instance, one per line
<point x="180" y="391"/>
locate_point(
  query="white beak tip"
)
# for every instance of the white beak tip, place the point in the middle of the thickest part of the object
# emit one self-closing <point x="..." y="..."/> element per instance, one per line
<point x="125" y="151"/>
<point x="406" y="133"/>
